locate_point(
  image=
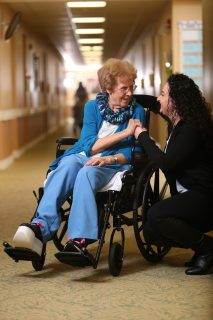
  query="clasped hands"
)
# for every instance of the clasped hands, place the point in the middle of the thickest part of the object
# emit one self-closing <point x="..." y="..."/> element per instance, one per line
<point x="135" y="127"/>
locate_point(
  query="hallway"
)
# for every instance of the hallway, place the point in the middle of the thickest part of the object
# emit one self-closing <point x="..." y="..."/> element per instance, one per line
<point x="61" y="292"/>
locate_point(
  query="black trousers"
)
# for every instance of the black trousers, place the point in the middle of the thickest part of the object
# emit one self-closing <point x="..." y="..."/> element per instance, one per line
<point x="180" y="220"/>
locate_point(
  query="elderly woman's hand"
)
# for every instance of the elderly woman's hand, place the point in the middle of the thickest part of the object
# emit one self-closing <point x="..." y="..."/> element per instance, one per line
<point x="132" y="124"/>
<point x="100" y="161"/>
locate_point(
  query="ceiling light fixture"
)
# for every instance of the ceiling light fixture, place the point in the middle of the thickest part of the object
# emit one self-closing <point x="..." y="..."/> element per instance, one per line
<point x="85" y="48"/>
<point x="90" y="31"/>
<point x="92" y="61"/>
<point x="91" y="48"/>
<point x="97" y="48"/>
<point x="89" y="20"/>
<point x="86" y="4"/>
<point x="92" y="54"/>
<point x="91" y="41"/>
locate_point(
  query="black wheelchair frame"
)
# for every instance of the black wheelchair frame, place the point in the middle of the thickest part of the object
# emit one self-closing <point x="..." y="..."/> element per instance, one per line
<point x="140" y="190"/>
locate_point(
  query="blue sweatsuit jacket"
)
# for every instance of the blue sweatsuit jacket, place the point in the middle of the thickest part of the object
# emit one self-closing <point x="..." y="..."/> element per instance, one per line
<point x="92" y="123"/>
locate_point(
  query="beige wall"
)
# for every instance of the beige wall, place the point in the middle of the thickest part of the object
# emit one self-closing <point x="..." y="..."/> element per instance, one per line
<point x="208" y="49"/>
<point x="160" y="43"/>
<point x="6" y="74"/>
<point x="149" y="54"/>
<point x="28" y="109"/>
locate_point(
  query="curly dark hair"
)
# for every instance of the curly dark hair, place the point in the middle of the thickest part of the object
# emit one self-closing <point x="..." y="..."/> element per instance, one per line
<point x="191" y="106"/>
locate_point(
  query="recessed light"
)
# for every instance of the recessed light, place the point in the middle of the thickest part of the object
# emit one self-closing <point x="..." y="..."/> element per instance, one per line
<point x="90" y="31"/>
<point x="91" y="40"/>
<point x="97" y="48"/>
<point x="85" y="48"/>
<point x="89" y="20"/>
<point x="92" y="54"/>
<point x="86" y="4"/>
<point x="91" y="48"/>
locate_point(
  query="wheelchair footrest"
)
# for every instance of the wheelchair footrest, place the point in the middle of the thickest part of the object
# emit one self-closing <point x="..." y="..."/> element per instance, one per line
<point x="74" y="258"/>
<point x="21" y="253"/>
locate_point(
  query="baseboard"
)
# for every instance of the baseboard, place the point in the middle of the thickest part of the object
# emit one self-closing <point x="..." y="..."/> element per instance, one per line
<point x="5" y="163"/>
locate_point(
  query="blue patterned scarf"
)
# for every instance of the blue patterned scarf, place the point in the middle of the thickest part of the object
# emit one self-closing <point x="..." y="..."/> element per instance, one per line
<point x="121" y="116"/>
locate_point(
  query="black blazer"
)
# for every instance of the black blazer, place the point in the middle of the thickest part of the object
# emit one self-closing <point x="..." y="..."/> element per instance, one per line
<point x="185" y="159"/>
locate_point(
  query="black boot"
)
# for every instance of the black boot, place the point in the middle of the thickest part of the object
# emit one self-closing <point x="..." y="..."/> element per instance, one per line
<point x="203" y="258"/>
<point x="191" y="262"/>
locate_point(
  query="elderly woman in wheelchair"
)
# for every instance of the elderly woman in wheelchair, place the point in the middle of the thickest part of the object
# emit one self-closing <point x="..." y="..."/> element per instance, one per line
<point x="104" y="149"/>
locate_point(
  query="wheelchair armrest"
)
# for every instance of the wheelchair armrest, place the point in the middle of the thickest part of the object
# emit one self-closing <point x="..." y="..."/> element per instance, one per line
<point x="139" y="160"/>
<point x="66" y="141"/>
<point x="127" y="173"/>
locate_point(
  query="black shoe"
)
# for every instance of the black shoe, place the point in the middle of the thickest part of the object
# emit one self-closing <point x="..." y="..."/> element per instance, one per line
<point x="75" y="254"/>
<point x="203" y="257"/>
<point x="78" y="244"/>
<point x="29" y="236"/>
<point x="72" y="246"/>
<point x="191" y="262"/>
<point x="201" y="265"/>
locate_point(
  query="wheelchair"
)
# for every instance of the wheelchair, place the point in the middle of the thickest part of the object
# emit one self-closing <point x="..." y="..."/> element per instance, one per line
<point x="129" y="206"/>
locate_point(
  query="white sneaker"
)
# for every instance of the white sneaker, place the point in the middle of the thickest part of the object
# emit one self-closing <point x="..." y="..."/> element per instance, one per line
<point x="28" y="236"/>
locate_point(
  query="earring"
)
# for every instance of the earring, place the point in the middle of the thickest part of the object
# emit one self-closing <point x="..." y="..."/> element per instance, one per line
<point x="173" y="116"/>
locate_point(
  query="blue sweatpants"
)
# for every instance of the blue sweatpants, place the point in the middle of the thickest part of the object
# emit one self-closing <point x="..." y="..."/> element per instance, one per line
<point x="72" y="176"/>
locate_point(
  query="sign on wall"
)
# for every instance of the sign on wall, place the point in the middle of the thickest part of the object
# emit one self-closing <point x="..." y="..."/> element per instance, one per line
<point x="191" y="48"/>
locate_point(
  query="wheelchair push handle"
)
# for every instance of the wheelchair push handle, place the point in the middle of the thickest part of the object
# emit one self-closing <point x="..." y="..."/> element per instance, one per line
<point x="66" y="141"/>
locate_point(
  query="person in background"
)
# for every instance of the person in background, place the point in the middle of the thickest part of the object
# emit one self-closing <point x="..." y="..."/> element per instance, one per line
<point x="81" y="93"/>
<point x="104" y="148"/>
<point x="187" y="162"/>
<point x="81" y="96"/>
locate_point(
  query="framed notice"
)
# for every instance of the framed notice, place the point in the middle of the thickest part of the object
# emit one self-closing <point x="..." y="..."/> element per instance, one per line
<point x="191" y="48"/>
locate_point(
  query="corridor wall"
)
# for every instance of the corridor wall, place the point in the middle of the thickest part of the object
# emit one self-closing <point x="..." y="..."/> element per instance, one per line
<point x="208" y="49"/>
<point x="157" y="52"/>
<point x="32" y="96"/>
<point x="149" y="54"/>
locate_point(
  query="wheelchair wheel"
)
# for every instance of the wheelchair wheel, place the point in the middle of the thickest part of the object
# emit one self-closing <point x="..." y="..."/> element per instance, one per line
<point x="115" y="259"/>
<point x="147" y="194"/>
<point x="38" y="264"/>
<point x="59" y="236"/>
